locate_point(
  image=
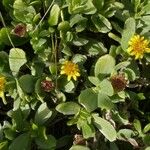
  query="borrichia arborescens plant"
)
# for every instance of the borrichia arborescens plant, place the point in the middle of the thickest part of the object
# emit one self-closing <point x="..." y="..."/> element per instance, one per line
<point x="74" y="74"/>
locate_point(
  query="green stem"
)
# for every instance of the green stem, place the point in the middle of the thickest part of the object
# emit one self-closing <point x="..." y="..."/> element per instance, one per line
<point x="54" y="56"/>
<point x="3" y="22"/>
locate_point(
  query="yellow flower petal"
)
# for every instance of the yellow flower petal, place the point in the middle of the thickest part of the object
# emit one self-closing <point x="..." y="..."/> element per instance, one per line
<point x="74" y="77"/>
<point x="62" y="72"/>
<point x="147" y="50"/>
<point x="77" y="74"/>
<point x="69" y="78"/>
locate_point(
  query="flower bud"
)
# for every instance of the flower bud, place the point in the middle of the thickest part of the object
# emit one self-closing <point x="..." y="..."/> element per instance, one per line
<point x="118" y="82"/>
<point x="79" y="140"/>
<point x="47" y="85"/>
<point x="19" y="30"/>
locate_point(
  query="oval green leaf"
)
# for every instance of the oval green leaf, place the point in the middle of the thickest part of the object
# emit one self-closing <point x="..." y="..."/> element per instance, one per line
<point x="104" y="65"/>
<point x="17" y="58"/>
<point x="68" y="108"/>
<point x="105" y="128"/>
<point x="88" y="98"/>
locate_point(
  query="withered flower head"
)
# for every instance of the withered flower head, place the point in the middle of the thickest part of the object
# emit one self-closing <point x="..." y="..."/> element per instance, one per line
<point x="118" y="82"/>
<point x="19" y="30"/>
<point x="47" y="85"/>
<point x="79" y="140"/>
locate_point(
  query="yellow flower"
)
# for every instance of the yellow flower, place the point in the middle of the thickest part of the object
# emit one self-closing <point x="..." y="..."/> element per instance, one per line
<point x="70" y="69"/>
<point x="138" y="46"/>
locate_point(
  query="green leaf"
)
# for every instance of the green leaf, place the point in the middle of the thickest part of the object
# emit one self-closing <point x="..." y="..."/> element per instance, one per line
<point x="134" y="66"/>
<point x="137" y="125"/>
<point x="81" y="6"/>
<point x="128" y="32"/>
<point x="89" y="8"/>
<point x="104" y="102"/>
<point x="80" y="41"/>
<point x="9" y="133"/>
<point x="23" y="12"/>
<point x="54" y="15"/>
<point x="20" y="92"/>
<point x="44" y="144"/>
<point x="4" y="145"/>
<point x="122" y="65"/>
<point x="17" y="58"/>
<point x="20" y="5"/>
<point x="52" y="68"/>
<point x="95" y="47"/>
<point x="88" y="98"/>
<point x="65" y="85"/>
<point x="121" y="117"/>
<point x="105" y="128"/>
<point x="125" y="134"/>
<point x="104" y="65"/>
<point x="76" y="19"/>
<point x="8" y="3"/>
<point x="4" y="64"/>
<point x="69" y="86"/>
<point x="146" y="128"/>
<point x="130" y="74"/>
<point x="43" y="114"/>
<point x="94" y="80"/>
<point x="101" y="23"/>
<point x="39" y="131"/>
<point x="38" y="90"/>
<point x="17" y="118"/>
<point x="147" y="140"/>
<point x="26" y="83"/>
<point x="136" y="5"/>
<point x="21" y="142"/>
<point x="88" y="131"/>
<point x="147" y="148"/>
<point x="99" y="4"/>
<point x="106" y="87"/>
<point x="79" y="147"/>
<point x="64" y="26"/>
<point x="146" y="8"/>
<point x="147" y="57"/>
<point x="68" y="108"/>
<point x="79" y="59"/>
<point x="76" y="6"/>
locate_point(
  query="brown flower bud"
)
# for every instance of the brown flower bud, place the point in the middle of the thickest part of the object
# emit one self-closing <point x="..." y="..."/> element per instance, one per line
<point x="19" y="30"/>
<point x="79" y="140"/>
<point x="47" y="85"/>
<point x="118" y="82"/>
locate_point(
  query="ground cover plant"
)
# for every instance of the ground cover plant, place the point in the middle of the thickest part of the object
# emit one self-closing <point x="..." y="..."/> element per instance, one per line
<point x="74" y="74"/>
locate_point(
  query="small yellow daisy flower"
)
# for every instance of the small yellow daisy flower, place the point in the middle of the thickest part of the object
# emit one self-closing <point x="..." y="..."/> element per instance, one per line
<point x="138" y="46"/>
<point x="70" y="69"/>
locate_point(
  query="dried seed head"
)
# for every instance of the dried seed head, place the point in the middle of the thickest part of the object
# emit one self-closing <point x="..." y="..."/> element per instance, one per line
<point x="19" y="30"/>
<point x="47" y="85"/>
<point x="79" y="140"/>
<point x="118" y="82"/>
